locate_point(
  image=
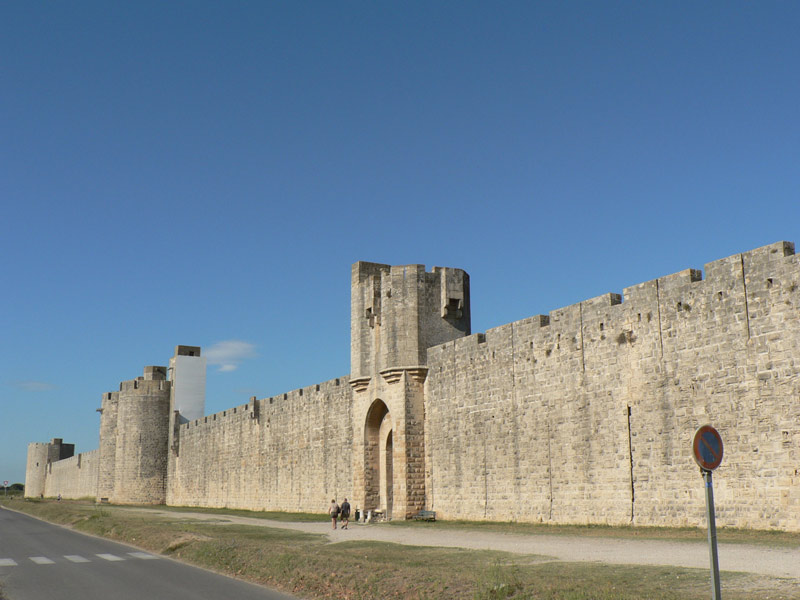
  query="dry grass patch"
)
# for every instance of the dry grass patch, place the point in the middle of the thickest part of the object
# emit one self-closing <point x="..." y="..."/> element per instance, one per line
<point x="309" y="566"/>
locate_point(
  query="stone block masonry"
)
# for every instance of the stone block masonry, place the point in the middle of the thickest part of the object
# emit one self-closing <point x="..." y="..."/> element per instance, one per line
<point x="74" y="477"/>
<point x="291" y="452"/>
<point x="40" y="458"/>
<point x="140" y="460"/>
<point x="584" y="415"/>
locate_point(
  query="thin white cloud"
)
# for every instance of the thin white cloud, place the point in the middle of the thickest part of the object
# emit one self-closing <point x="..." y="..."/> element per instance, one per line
<point x="227" y="355"/>
<point x="34" y="386"/>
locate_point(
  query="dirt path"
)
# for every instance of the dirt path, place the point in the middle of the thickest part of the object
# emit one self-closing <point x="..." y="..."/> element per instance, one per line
<point x="762" y="560"/>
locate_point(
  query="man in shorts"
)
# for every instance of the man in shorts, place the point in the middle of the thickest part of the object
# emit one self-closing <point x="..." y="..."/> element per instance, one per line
<point x="345" y="513"/>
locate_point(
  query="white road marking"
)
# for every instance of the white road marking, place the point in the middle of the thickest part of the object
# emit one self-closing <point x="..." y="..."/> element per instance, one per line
<point x="111" y="557"/>
<point x="76" y="559"/>
<point x="143" y="555"/>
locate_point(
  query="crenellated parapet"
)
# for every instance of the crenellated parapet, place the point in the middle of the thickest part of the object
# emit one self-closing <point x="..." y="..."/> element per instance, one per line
<point x="735" y="288"/>
<point x="398" y="312"/>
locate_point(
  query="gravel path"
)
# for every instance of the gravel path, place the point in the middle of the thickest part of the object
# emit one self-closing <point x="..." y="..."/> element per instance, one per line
<point x="761" y="560"/>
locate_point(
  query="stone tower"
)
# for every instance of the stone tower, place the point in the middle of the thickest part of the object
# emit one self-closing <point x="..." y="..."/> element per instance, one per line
<point x="109" y="410"/>
<point x="40" y="457"/>
<point x="140" y="458"/>
<point x="397" y="313"/>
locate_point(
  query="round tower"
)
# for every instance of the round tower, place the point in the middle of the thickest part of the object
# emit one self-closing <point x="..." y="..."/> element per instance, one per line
<point x="35" y="470"/>
<point x="140" y="461"/>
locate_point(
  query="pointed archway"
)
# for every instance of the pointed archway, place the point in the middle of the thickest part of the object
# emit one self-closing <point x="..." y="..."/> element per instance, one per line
<point x="378" y="459"/>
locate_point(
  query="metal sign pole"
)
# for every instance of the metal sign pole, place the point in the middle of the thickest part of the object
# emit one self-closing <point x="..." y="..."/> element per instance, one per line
<point x="712" y="536"/>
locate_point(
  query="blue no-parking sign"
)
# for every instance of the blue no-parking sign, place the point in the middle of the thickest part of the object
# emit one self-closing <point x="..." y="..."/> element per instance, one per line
<point x="707" y="448"/>
<point x="707" y="452"/>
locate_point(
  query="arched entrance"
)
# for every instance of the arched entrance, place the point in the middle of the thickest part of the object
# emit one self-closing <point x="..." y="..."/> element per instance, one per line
<point x="386" y="475"/>
<point x="378" y="463"/>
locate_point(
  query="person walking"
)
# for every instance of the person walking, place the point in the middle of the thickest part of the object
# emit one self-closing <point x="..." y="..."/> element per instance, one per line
<point x="333" y="511"/>
<point x="345" y="513"/>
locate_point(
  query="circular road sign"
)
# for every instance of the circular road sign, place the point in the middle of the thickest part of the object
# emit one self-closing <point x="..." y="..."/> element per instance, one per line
<point x="707" y="448"/>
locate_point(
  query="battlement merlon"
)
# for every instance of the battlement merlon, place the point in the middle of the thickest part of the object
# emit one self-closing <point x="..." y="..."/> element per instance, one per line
<point x="155" y="373"/>
<point x="753" y="260"/>
<point x="723" y="273"/>
<point x="154" y="379"/>
<point x="361" y="270"/>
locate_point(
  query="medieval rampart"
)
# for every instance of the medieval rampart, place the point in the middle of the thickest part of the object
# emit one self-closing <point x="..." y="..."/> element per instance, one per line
<point x="586" y="415"/>
<point x="74" y="477"/>
<point x="291" y="452"/>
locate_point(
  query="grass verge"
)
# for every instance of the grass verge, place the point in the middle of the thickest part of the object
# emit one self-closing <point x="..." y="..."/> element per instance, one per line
<point x="725" y="535"/>
<point x="308" y="566"/>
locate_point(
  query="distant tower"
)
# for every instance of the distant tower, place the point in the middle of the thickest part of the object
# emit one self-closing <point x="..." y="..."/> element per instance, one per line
<point x="187" y="372"/>
<point x="397" y="313"/>
<point x="140" y="461"/>
<point x="40" y="456"/>
<point x="109" y="413"/>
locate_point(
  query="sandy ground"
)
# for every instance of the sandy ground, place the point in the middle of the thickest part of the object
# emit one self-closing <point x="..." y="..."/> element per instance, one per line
<point x="757" y="559"/>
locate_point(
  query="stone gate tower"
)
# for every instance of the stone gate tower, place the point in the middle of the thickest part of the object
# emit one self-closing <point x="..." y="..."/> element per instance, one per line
<point x="397" y="313"/>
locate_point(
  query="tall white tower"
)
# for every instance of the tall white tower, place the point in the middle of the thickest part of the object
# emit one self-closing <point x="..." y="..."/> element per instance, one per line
<point x="187" y="371"/>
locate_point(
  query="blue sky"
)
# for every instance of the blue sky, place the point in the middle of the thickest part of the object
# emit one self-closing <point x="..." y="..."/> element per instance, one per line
<point x="206" y="173"/>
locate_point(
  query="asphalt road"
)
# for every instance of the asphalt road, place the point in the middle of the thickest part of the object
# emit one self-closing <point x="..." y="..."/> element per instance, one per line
<point x="40" y="561"/>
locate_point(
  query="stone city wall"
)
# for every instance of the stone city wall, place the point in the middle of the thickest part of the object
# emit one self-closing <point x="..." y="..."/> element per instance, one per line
<point x="584" y="415"/>
<point x="74" y="477"/>
<point x="587" y="415"/>
<point x="291" y="452"/>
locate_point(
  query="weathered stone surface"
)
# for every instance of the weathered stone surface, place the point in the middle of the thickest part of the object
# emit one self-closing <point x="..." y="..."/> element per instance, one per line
<point x="584" y="415"/>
